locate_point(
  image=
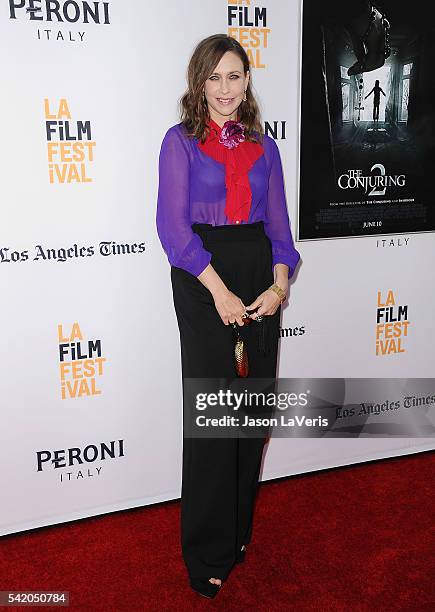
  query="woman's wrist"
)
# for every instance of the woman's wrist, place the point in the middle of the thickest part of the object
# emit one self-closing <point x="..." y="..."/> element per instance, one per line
<point x="213" y="282"/>
<point x="279" y="291"/>
<point x="220" y="293"/>
<point x="282" y="282"/>
<point x="281" y="276"/>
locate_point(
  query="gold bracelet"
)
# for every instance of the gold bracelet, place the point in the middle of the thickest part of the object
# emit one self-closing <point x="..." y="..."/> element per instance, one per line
<point x="280" y="293"/>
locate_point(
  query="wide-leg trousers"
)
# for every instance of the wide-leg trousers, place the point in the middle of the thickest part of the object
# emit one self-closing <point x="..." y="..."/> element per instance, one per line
<point x="220" y="475"/>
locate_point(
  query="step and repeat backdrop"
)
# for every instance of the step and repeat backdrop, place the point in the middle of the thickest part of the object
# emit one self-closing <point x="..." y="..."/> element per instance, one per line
<point x="91" y="392"/>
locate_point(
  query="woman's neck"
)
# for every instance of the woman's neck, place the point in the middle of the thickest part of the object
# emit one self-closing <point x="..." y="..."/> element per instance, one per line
<point x="221" y="120"/>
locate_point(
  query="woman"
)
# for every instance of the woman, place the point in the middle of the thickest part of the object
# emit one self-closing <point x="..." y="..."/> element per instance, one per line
<point x="222" y="220"/>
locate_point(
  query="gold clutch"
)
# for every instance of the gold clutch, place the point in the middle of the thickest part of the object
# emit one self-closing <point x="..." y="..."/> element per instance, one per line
<point x="241" y="361"/>
<point x="241" y="356"/>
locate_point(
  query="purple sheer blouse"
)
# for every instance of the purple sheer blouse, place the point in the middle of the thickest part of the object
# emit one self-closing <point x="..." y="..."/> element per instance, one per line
<point x="192" y="190"/>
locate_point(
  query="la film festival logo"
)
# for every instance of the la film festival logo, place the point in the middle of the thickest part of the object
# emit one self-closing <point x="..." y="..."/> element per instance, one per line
<point x="391" y="325"/>
<point x="248" y="25"/>
<point x="81" y="362"/>
<point x="70" y="148"/>
<point x="46" y="14"/>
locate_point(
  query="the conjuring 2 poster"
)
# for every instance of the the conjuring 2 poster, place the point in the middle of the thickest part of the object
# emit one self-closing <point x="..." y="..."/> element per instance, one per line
<point x="367" y="133"/>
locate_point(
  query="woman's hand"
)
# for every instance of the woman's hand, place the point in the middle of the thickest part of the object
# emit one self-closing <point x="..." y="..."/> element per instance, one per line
<point x="229" y="306"/>
<point x="268" y="303"/>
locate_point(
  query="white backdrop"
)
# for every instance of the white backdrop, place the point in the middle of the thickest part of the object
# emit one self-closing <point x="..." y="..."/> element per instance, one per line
<point x="124" y="78"/>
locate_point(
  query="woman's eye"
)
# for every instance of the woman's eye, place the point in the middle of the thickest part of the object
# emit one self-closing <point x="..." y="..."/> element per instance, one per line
<point x="233" y="76"/>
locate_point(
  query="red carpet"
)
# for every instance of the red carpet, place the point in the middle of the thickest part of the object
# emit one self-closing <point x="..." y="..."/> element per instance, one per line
<point x="358" y="538"/>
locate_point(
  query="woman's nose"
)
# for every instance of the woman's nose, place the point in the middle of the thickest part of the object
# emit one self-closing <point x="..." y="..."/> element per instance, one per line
<point x="225" y="86"/>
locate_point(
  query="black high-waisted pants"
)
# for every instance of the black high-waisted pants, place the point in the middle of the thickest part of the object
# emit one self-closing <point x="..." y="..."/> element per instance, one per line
<point x="220" y="475"/>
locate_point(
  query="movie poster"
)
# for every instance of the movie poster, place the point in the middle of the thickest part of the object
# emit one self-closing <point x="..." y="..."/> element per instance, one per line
<point x="367" y="132"/>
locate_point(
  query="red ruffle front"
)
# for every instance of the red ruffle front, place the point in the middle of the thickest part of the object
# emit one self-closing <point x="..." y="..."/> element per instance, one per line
<point x="238" y="162"/>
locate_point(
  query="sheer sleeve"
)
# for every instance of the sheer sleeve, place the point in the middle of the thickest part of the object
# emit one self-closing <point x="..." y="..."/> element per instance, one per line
<point x="183" y="247"/>
<point x="277" y="224"/>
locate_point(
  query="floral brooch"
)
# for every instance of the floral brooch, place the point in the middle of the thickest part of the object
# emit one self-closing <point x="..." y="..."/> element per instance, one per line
<point x="232" y="134"/>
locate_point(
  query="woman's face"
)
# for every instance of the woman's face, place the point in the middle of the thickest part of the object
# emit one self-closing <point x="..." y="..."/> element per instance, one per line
<point x="225" y="88"/>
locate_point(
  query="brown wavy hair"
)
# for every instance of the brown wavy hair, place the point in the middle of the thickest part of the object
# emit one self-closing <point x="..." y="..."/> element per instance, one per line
<point x="193" y="108"/>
